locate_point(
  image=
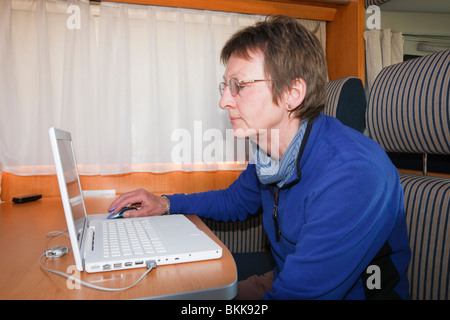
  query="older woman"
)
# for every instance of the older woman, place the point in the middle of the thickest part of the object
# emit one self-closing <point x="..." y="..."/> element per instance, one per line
<point x="332" y="200"/>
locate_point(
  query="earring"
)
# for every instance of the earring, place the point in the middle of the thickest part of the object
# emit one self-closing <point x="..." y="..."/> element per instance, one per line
<point x="290" y="108"/>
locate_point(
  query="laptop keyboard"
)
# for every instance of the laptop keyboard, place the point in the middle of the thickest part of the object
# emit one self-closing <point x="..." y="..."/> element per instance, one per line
<point x="126" y="237"/>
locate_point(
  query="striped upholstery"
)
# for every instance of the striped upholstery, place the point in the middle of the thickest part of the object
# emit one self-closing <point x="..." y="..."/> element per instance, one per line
<point x="242" y="236"/>
<point x="428" y="222"/>
<point x="368" y="3"/>
<point x="408" y="108"/>
<point x="408" y="111"/>
<point x="346" y="101"/>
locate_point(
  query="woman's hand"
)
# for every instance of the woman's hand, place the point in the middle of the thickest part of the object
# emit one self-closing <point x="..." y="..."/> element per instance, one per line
<point x="148" y="203"/>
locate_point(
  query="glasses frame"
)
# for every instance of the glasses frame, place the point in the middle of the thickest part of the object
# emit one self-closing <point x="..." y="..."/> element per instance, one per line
<point x="238" y="84"/>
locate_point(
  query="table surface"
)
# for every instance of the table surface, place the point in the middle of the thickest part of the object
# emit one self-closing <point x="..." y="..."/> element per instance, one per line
<point x="23" y="229"/>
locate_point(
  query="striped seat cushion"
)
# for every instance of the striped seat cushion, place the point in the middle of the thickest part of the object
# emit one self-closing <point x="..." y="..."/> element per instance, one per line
<point x="408" y="112"/>
<point x="242" y="236"/>
<point x="427" y="205"/>
<point x="408" y="107"/>
<point x="346" y="101"/>
<point x="368" y="3"/>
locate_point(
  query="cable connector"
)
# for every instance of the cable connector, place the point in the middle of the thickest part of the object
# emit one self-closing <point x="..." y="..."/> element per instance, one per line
<point x="56" y="252"/>
<point x="150" y="264"/>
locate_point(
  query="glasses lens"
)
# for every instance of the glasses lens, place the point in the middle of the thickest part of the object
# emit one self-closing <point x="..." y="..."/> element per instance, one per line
<point x="222" y="88"/>
<point x="234" y="86"/>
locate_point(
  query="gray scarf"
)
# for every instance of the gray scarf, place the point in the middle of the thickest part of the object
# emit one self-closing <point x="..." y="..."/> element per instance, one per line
<point x="272" y="171"/>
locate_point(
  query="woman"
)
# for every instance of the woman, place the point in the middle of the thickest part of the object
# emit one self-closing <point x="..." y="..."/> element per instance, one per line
<point x="332" y="200"/>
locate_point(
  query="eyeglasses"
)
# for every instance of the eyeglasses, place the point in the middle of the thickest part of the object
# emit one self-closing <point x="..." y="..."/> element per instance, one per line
<point x="236" y="85"/>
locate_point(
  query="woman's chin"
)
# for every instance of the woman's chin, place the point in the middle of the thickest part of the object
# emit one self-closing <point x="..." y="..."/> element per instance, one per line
<point x="240" y="133"/>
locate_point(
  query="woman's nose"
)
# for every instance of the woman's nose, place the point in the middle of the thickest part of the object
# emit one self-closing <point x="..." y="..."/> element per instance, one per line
<point x="227" y="100"/>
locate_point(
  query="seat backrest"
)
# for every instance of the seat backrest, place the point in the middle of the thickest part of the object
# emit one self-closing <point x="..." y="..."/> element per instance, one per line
<point x="346" y="101"/>
<point x="408" y="111"/>
<point x="246" y="236"/>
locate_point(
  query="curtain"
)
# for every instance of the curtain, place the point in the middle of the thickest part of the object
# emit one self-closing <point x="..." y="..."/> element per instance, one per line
<point x="383" y="48"/>
<point x="135" y="85"/>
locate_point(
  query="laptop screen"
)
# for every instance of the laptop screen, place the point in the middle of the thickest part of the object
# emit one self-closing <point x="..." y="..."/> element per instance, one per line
<point x="72" y="184"/>
<point x="69" y="180"/>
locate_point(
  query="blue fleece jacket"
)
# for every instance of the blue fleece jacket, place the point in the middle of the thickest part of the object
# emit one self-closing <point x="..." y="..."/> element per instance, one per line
<point x="343" y="229"/>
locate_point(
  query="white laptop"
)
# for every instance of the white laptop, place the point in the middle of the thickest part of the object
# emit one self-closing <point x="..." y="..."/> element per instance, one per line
<point x="165" y="239"/>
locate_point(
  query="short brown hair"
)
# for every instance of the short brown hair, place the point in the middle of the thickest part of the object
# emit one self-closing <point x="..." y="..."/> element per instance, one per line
<point x="290" y="52"/>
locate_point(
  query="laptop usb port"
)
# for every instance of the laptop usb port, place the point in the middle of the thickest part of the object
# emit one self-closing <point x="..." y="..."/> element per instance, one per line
<point x="139" y="262"/>
<point x="117" y="265"/>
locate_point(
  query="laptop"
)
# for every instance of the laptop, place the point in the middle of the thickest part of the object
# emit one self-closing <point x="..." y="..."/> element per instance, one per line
<point x="100" y="244"/>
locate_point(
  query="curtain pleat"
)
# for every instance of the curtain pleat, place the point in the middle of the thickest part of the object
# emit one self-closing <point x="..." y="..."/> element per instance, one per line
<point x="383" y="48"/>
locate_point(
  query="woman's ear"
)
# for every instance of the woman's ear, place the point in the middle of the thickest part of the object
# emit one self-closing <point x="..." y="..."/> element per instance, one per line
<point x="295" y="96"/>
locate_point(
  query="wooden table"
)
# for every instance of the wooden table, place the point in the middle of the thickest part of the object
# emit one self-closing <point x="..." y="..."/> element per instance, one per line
<point x="23" y="229"/>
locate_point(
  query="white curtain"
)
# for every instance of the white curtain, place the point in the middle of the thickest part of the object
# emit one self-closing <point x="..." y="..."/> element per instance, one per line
<point x="383" y="48"/>
<point x="135" y="85"/>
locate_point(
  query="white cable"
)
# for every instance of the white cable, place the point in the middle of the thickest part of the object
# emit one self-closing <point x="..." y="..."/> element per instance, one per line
<point x="150" y="265"/>
<point x="53" y="234"/>
<point x="59" y="252"/>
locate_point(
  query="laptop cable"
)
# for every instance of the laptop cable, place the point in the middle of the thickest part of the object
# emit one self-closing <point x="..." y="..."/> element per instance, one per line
<point x="59" y="251"/>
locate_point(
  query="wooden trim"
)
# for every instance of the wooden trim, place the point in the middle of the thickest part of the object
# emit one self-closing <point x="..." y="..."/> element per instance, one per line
<point x="345" y="42"/>
<point x="297" y="9"/>
<point x="158" y="183"/>
<point x="420" y="173"/>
